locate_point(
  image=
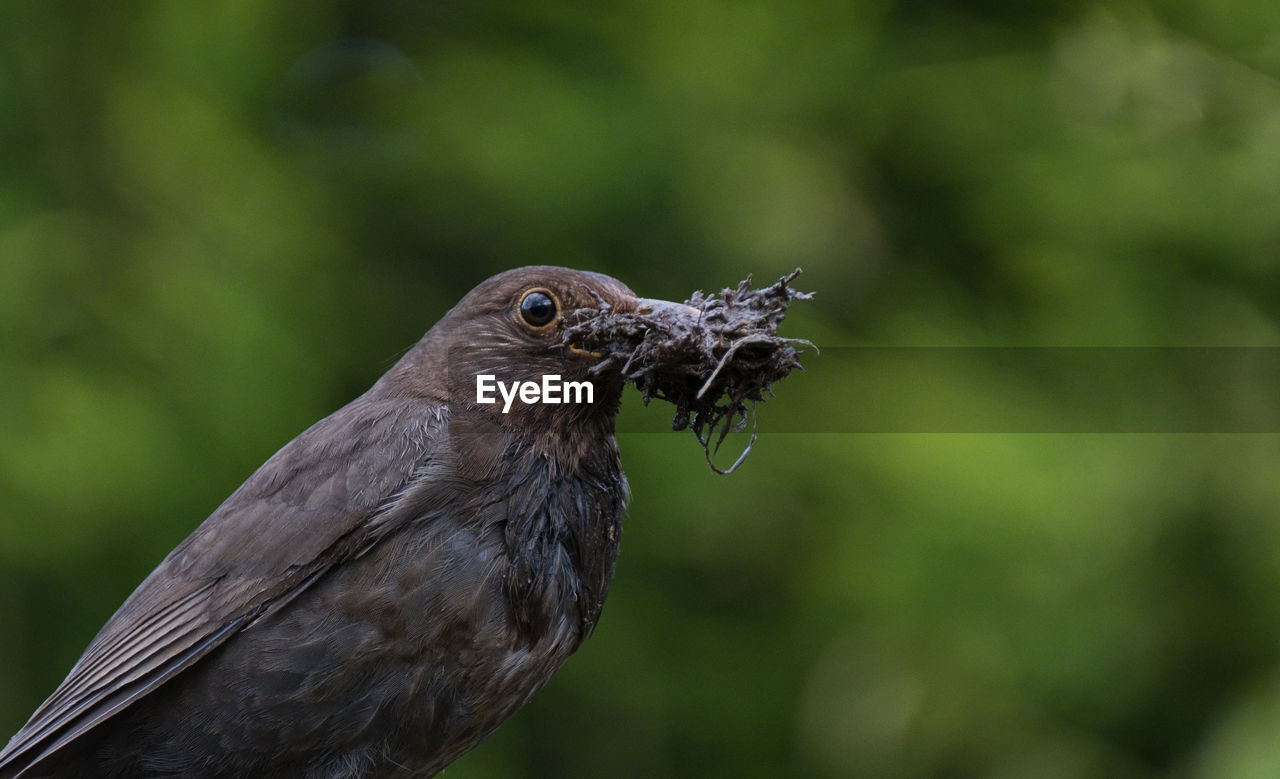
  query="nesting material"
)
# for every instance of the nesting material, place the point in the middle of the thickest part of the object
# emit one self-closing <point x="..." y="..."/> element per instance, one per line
<point x="711" y="367"/>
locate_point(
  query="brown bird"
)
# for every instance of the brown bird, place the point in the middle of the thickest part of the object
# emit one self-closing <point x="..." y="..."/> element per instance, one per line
<point x="387" y="588"/>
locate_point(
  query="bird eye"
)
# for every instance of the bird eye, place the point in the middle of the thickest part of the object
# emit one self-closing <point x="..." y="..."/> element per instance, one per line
<point x="538" y="308"/>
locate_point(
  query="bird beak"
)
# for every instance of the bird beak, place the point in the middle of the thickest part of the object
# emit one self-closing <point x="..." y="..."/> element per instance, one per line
<point x="660" y="315"/>
<point x="669" y="313"/>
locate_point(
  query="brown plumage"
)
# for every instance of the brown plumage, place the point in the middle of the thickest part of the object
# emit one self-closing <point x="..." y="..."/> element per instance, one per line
<point x="387" y="588"/>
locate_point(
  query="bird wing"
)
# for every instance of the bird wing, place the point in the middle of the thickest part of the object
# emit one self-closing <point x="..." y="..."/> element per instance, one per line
<point x="323" y="498"/>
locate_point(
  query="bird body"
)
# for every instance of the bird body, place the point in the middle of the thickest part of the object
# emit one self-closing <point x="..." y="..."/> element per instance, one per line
<point x="386" y="589"/>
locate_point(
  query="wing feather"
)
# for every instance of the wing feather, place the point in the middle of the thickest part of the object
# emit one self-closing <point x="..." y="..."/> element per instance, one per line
<point x="320" y="499"/>
<point x="101" y="659"/>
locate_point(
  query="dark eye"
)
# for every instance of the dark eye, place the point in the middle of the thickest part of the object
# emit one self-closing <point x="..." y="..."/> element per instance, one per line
<point x="537" y="309"/>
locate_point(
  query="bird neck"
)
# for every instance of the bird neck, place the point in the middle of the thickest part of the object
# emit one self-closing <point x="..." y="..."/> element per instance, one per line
<point x="559" y="493"/>
<point x="563" y="525"/>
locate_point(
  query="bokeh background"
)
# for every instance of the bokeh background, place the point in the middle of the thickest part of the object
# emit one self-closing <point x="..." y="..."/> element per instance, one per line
<point x="221" y="221"/>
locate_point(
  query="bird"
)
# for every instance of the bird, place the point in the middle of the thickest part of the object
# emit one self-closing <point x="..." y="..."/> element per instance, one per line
<point x="390" y="586"/>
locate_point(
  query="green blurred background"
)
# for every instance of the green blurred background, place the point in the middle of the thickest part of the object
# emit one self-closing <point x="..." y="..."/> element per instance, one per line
<point x="221" y="221"/>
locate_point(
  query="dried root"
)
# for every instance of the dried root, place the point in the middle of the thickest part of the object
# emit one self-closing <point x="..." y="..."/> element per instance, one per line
<point x="710" y="366"/>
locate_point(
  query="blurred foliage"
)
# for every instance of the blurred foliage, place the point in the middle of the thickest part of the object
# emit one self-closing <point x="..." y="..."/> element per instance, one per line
<point x="219" y="222"/>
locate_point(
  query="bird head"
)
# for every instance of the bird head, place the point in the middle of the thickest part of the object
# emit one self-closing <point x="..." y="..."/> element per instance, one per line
<point x="502" y="351"/>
